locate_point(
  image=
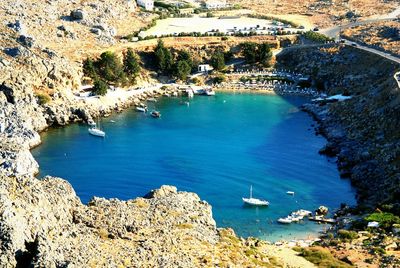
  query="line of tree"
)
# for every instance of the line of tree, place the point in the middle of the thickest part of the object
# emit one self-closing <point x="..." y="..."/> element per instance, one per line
<point x="317" y="37"/>
<point x="178" y="65"/>
<point x="109" y="69"/>
<point x="256" y="53"/>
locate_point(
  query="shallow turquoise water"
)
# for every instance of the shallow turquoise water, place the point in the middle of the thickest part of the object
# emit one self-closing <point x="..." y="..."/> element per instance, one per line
<point x="215" y="147"/>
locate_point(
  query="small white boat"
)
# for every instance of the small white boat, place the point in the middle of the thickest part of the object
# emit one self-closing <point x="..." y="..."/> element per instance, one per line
<point x="141" y="109"/>
<point x="152" y="99"/>
<point x="290" y="192"/>
<point x="96" y="132"/>
<point x="302" y="212"/>
<point x="210" y="92"/>
<point x="286" y="220"/>
<point x="295" y="218"/>
<point x="254" y="201"/>
<point x="155" y="114"/>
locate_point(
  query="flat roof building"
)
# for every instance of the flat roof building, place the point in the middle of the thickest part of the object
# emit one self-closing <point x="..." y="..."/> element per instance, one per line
<point x="215" y="4"/>
<point x="147" y="4"/>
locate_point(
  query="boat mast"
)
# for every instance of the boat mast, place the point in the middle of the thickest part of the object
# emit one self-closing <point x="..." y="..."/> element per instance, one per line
<point x="251" y="191"/>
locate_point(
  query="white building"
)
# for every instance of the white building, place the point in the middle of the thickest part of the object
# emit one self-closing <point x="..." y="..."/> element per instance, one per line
<point x="204" y="68"/>
<point x="215" y="4"/>
<point x="147" y="4"/>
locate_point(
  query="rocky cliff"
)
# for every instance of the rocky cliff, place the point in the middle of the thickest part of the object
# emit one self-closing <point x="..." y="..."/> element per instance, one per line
<point x="362" y="131"/>
<point x="44" y="224"/>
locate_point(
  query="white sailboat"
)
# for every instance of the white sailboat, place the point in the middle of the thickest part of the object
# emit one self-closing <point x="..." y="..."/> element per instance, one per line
<point x="141" y="109"/>
<point x="254" y="201"/>
<point x="96" y="131"/>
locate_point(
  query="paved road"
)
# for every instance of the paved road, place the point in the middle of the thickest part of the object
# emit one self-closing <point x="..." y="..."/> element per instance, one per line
<point x="372" y="50"/>
<point x="334" y="32"/>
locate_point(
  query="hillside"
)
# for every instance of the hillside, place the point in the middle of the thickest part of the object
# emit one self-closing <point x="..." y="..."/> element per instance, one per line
<point x="321" y="13"/>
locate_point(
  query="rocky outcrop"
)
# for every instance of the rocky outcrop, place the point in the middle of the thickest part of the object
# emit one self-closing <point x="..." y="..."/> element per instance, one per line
<point x="362" y="132"/>
<point x="43" y="223"/>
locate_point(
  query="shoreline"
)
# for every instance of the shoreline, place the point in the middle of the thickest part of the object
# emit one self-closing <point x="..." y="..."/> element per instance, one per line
<point x="235" y="90"/>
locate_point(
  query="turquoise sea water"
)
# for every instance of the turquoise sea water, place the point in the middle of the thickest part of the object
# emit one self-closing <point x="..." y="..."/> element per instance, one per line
<point x="217" y="147"/>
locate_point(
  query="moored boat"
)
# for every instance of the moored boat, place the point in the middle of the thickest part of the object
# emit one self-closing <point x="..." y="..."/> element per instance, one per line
<point x="141" y="109"/>
<point x="286" y="220"/>
<point x="290" y="192"/>
<point x="96" y="132"/>
<point x="155" y="114"/>
<point x="210" y="92"/>
<point x="254" y="201"/>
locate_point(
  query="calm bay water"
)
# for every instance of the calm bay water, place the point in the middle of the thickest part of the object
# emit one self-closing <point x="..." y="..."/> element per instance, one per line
<point x="215" y="147"/>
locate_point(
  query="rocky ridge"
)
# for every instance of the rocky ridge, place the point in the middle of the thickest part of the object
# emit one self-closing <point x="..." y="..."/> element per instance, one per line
<point x="43" y="223"/>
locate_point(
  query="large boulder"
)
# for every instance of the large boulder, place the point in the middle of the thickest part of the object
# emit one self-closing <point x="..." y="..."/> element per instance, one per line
<point x="78" y="14"/>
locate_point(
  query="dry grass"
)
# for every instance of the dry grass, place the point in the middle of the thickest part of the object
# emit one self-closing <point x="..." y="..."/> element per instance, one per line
<point x="381" y="35"/>
<point x="321" y="13"/>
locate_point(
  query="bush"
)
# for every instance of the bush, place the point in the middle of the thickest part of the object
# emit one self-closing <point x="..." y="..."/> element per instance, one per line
<point x="264" y="17"/>
<point x="99" y="87"/>
<point x="219" y="79"/>
<point x="385" y="219"/>
<point x="347" y="235"/>
<point x="89" y="68"/>
<point x="321" y="257"/>
<point x="317" y="37"/>
<point x="43" y="98"/>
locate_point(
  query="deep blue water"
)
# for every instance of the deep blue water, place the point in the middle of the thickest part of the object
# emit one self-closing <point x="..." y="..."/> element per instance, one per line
<point x="215" y="147"/>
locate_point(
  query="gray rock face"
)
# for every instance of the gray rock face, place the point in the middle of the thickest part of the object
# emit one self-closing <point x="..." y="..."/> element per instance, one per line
<point x="361" y="130"/>
<point x="18" y="26"/>
<point x="26" y="41"/>
<point x="17" y="52"/>
<point x="48" y="224"/>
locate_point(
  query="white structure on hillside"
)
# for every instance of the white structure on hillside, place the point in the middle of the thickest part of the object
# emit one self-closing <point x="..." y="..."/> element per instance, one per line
<point x="147" y="4"/>
<point x="204" y="68"/>
<point x="215" y="4"/>
<point x="131" y="5"/>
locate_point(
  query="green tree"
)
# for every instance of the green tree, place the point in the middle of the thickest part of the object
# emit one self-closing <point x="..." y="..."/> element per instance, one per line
<point x="183" y="69"/>
<point x="264" y="54"/>
<point x="131" y="64"/>
<point x="219" y="79"/>
<point x="218" y="61"/>
<point x="110" y="68"/>
<point x="163" y="58"/>
<point x="186" y="56"/>
<point x="99" y="87"/>
<point x="228" y="55"/>
<point x="249" y="50"/>
<point x="89" y="68"/>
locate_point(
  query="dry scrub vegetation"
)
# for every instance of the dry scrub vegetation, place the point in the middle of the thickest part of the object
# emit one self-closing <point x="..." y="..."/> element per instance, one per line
<point x="322" y="13"/>
<point x="383" y="35"/>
